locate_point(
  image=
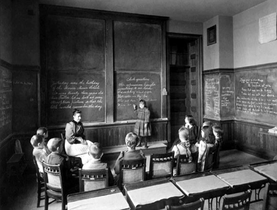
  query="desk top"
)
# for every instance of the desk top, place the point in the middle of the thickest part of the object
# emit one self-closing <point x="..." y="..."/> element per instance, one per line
<point x="201" y="185"/>
<point x="108" y="198"/>
<point x="269" y="170"/>
<point x="151" y="193"/>
<point x="241" y="177"/>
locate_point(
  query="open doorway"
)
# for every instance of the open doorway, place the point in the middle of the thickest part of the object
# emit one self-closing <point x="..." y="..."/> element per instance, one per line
<point x="185" y="76"/>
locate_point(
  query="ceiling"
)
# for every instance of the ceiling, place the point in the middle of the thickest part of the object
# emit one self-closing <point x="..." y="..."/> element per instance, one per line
<point x="182" y="10"/>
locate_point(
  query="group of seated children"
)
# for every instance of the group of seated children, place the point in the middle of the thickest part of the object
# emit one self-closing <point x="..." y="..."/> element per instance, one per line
<point x="50" y="153"/>
<point x="198" y="148"/>
<point x="188" y="144"/>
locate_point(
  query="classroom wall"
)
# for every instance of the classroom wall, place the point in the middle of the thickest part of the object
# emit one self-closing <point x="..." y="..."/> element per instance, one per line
<point x="211" y="52"/>
<point x="247" y="49"/>
<point x="220" y="54"/>
<point x="183" y="27"/>
<point x="249" y="54"/>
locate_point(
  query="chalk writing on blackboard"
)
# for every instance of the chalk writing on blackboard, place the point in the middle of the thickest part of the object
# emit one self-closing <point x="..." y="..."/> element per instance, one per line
<point x="5" y="98"/>
<point x="256" y="96"/>
<point x="81" y="94"/>
<point x="135" y="88"/>
<point x="212" y="96"/>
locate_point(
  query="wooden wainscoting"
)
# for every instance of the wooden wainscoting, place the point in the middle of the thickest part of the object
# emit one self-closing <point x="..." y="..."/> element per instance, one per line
<point x="250" y="138"/>
<point x="114" y="134"/>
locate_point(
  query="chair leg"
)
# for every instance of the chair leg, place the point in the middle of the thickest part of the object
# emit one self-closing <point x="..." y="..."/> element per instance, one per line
<point x="46" y="202"/>
<point x="63" y="203"/>
<point x="39" y="195"/>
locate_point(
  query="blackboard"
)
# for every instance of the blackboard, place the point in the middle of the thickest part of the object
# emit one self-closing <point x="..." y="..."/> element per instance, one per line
<point x="133" y="86"/>
<point x="219" y="91"/>
<point x="137" y="46"/>
<point x="5" y="102"/>
<point x="80" y="90"/>
<point x="75" y="66"/>
<point x="212" y="96"/>
<point x="75" y="43"/>
<point x="25" y="100"/>
<point x="256" y="95"/>
<point x="227" y="96"/>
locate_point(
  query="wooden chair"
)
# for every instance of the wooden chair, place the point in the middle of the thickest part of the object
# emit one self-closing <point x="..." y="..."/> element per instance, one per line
<point x="183" y="166"/>
<point x="270" y="197"/>
<point x="239" y="201"/>
<point x="196" y="205"/>
<point x="93" y="179"/>
<point x="40" y="183"/>
<point x="161" y="165"/>
<point x="54" y="184"/>
<point x="132" y="171"/>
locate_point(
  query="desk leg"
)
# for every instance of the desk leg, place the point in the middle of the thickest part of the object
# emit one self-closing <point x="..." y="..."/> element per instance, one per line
<point x="257" y="193"/>
<point x="218" y="199"/>
<point x="210" y="203"/>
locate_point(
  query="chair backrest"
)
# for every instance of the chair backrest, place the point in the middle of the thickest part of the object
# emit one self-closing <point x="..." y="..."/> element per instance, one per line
<point x="53" y="177"/>
<point x="270" y="197"/>
<point x="39" y="175"/>
<point x="196" y="205"/>
<point x="132" y="171"/>
<point x="237" y="202"/>
<point x="18" y="148"/>
<point x="161" y="165"/>
<point x="184" y="166"/>
<point x="93" y="179"/>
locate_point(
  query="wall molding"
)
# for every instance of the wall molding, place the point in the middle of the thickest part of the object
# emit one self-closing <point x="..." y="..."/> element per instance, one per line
<point x="256" y="67"/>
<point x="218" y="70"/>
<point x="6" y="64"/>
<point x="26" y="68"/>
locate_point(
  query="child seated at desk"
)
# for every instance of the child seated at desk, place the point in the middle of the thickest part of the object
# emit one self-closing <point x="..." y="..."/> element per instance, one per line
<point x="43" y="131"/>
<point x="190" y="124"/>
<point x="55" y="158"/>
<point x="205" y="145"/>
<point x="40" y="151"/>
<point x="95" y="153"/>
<point x="131" y="141"/>
<point x="183" y="146"/>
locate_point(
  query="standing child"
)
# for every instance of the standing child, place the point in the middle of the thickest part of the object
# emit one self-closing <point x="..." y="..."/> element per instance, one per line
<point x="142" y="126"/>
<point x="183" y="146"/>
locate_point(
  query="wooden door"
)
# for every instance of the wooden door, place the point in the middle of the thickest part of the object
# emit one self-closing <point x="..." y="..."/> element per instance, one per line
<point x="184" y="71"/>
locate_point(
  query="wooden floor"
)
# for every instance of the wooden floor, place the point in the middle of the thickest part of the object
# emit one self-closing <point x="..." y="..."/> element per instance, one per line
<point x="22" y="196"/>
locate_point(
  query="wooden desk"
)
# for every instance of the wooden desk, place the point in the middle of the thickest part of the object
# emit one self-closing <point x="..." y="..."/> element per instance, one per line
<point x="206" y="185"/>
<point x="267" y="169"/>
<point x="242" y="179"/>
<point x="103" y="199"/>
<point x="156" y="192"/>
